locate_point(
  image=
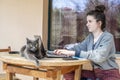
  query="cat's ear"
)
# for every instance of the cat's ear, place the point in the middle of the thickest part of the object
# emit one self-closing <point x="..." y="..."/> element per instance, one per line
<point x="28" y="40"/>
<point x="37" y="39"/>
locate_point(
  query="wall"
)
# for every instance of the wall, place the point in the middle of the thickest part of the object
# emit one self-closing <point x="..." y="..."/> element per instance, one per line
<point x="19" y="19"/>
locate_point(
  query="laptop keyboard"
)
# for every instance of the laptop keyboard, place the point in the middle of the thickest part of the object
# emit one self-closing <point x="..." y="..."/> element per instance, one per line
<point x="52" y="55"/>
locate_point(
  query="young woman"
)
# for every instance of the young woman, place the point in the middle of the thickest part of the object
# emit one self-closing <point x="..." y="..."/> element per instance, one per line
<point x="98" y="47"/>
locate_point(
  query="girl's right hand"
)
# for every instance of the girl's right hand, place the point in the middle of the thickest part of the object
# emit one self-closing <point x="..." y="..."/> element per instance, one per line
<point x="64" y="52"/>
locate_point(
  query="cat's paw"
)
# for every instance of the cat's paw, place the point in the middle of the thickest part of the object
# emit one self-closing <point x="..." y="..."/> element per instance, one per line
<point x="37" y="63"/>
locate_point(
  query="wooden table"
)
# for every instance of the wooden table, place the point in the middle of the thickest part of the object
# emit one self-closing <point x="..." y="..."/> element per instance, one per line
<point x="50" y="68"/>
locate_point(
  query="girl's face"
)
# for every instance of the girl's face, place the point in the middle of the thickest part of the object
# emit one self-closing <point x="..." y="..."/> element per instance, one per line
<point x="92" y="24"/>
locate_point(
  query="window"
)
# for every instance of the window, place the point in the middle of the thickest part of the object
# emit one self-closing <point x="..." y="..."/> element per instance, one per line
<point x="67" y="21"/>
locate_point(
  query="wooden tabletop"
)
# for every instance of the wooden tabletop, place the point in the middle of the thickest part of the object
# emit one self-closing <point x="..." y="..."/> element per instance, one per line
<point x="18" y="60"/>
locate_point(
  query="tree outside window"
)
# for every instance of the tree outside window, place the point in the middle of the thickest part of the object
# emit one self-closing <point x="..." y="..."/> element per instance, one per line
<point x="68" y="21"/>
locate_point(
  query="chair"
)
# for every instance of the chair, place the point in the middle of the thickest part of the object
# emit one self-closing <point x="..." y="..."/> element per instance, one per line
<point x="6" y="50"/>
<point x="3" y="75"/>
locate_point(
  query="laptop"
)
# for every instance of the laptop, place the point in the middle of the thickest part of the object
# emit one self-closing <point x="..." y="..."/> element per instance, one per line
<point x="48" y="53"/>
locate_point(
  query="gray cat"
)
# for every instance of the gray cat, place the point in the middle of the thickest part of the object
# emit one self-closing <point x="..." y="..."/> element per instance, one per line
<point x="33" y="50"/>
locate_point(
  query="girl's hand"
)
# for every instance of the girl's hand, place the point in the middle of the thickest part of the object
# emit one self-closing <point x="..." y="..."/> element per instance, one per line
<point x="64" y="52"/>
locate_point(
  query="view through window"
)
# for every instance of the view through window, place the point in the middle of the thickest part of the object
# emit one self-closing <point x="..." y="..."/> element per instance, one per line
<point x="67" y="21"/>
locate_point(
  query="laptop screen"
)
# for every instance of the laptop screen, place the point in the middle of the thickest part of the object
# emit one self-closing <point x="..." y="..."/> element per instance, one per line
<point x="48" y="53"/>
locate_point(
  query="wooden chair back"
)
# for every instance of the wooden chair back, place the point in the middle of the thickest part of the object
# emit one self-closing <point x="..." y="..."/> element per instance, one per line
<point x="6" y="49"/>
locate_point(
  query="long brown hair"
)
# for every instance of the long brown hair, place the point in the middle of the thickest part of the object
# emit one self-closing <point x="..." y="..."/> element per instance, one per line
<point x="99" y="15"/>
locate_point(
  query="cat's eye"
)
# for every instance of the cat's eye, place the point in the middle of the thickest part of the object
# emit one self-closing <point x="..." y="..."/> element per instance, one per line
<point x="30" y="45"/>
<point x="36" y="45"/>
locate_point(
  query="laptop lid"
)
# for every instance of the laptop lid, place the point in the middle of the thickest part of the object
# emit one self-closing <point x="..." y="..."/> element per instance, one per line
<point x="47" y="53"/>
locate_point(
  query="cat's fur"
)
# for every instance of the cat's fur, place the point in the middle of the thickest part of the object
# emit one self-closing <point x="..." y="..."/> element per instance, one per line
<point x="33" y="50"/>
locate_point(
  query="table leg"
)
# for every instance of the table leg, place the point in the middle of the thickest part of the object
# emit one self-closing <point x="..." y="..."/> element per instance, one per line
<point x="54" y="74"/>
<point x="78" y="73"/>
<point x="49" y="79"/>
<point x="34" y="78"/>
<point x="58" y="75"/>
<point x="9" y="76"/>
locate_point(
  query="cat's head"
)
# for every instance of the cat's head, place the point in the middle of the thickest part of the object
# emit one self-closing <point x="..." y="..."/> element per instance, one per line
<point x="32" y="45"/>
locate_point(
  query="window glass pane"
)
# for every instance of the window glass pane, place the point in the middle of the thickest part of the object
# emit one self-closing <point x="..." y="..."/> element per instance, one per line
<point x="68" y="21"/>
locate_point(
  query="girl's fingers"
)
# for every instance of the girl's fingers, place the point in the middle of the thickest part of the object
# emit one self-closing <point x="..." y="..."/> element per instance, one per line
<point x="60" y="51"/>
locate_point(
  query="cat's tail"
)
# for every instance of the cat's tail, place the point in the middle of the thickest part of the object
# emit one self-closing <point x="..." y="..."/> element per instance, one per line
<point x="22" y="50"/>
